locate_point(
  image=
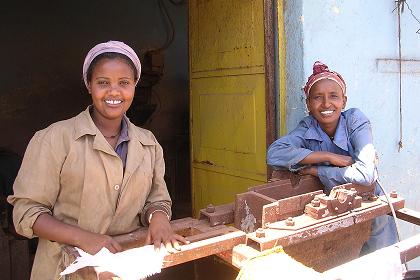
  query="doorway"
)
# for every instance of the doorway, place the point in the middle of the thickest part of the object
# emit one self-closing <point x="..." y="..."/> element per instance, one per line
<point x="42" y="51"/>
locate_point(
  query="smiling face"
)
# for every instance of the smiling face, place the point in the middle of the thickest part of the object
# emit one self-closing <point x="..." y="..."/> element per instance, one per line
<point x="325" y="102"/>
<point x="112" y="87"/>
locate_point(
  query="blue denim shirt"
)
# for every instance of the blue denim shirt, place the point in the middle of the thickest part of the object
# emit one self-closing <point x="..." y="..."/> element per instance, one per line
<point x="353" y="137"/>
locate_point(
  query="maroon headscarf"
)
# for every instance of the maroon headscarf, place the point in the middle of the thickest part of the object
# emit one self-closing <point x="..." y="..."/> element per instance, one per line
<point x="320" y="72"/>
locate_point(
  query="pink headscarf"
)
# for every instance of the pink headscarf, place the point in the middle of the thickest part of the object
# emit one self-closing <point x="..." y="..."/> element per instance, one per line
<point x="320" y="72"/>
<point x="111" y="46"/>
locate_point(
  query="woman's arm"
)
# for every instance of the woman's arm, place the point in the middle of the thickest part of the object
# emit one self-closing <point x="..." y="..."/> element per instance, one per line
<point x="157" y="211"/>
<point x="48" y="227"/>
<point x="363" y="170"/>
<point x="289" y="150"/>
<point x="321" y="157"/>
<point x="333" y="159"/>
<point x="160" y="231"/>
<point x="36" y="189"/>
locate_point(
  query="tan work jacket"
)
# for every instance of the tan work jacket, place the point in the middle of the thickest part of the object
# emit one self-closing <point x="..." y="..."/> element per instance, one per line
<point x="71" y="172"/>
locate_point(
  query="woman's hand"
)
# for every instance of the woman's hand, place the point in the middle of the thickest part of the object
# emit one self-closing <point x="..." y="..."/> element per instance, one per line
<point x="160" y="231"/>
<point x="92" y="243"/>
<point x="322" y="157"/>
<point x="340" y="160"/>
<point x="48" y="227"/>
<point x="106" y="275"/>
<point x="311" y="170"/>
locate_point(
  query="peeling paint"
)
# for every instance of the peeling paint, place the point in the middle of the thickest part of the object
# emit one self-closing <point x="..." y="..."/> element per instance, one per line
<point x="248" y="223"/>
<point x="334" y="226"/>
<point x="309" y="234"/>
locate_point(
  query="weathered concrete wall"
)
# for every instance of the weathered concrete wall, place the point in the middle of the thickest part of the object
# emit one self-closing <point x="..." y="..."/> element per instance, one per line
<point x="295" y="108"/>
<point x="356" y="38"/>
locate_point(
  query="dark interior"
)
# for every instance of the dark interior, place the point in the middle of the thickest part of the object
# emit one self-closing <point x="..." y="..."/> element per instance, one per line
<point x="43" y="45"/>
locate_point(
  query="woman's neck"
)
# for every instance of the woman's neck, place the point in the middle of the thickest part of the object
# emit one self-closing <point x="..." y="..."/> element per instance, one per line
<point x="329" y="129"/>
<point x="108" y="128"/>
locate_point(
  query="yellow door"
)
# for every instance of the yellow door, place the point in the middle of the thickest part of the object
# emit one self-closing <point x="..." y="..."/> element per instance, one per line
<point x="227" y="99"/>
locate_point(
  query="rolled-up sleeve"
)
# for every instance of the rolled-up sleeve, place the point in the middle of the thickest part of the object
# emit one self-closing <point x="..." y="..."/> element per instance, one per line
<point x="289" y="150"/>
<point x="158" y="198"/>
<point x="363" y="170"/>
<point x="37" y="184"/>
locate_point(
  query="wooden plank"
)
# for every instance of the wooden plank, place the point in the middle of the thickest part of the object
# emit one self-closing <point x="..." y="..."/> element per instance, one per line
<point x="293" y="186"/>
<point x="248" y="210"/>
<point x="205" y="248"/>
<point x="331" y="249"/>
<point x="276" y="237"/>
<point x="184" y="227"/>
<point x="409" y="248"/>
<point x="218" y="215"/>
<point x="287" y="207"/>
<point x="320" y="253"/>
<point x="212" y="240"/>
<point x="408" y="215"/>
<point x="210" y="234"/>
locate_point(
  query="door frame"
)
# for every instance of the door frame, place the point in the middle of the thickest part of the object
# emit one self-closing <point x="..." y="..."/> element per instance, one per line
<point x="274" y="72"/>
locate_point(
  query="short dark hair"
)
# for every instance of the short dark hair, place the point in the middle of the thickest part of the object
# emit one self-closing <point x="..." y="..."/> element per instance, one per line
<point x="110" y="55"/>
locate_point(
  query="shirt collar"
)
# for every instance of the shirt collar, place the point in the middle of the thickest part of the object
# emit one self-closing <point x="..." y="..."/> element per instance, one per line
<point x="315" y="132"/>
<point x="124" y="129"/>
<point x="340" y="136"/>
<point x="84" y="125"/>
<point x="124" y="137"/>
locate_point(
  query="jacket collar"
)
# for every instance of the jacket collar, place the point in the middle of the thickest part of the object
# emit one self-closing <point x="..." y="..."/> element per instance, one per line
<point x="315" y="132"/>
<point x="84" y="125"/>
<point x="340" y="136"/>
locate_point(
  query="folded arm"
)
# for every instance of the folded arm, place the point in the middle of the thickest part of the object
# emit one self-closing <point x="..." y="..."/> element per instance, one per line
<point x="363" y="170"/>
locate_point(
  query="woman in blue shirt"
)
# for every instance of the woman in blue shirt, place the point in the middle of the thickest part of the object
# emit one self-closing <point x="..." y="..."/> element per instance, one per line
<point x="334" y="145"/>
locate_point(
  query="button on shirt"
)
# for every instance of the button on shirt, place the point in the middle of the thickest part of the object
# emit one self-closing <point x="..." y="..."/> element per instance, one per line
<point x="353" y="137"/>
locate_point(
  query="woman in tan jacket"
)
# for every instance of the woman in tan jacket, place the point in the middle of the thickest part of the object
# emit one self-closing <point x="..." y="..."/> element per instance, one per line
<point x="96" y="175"/>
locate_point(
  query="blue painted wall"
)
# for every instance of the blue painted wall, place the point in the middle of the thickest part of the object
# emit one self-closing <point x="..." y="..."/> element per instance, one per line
<point x="357" y="39"/>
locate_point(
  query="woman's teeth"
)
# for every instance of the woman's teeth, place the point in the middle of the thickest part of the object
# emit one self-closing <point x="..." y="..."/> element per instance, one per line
<point x="327" y="112"/>
<point x="113" y="102"/>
